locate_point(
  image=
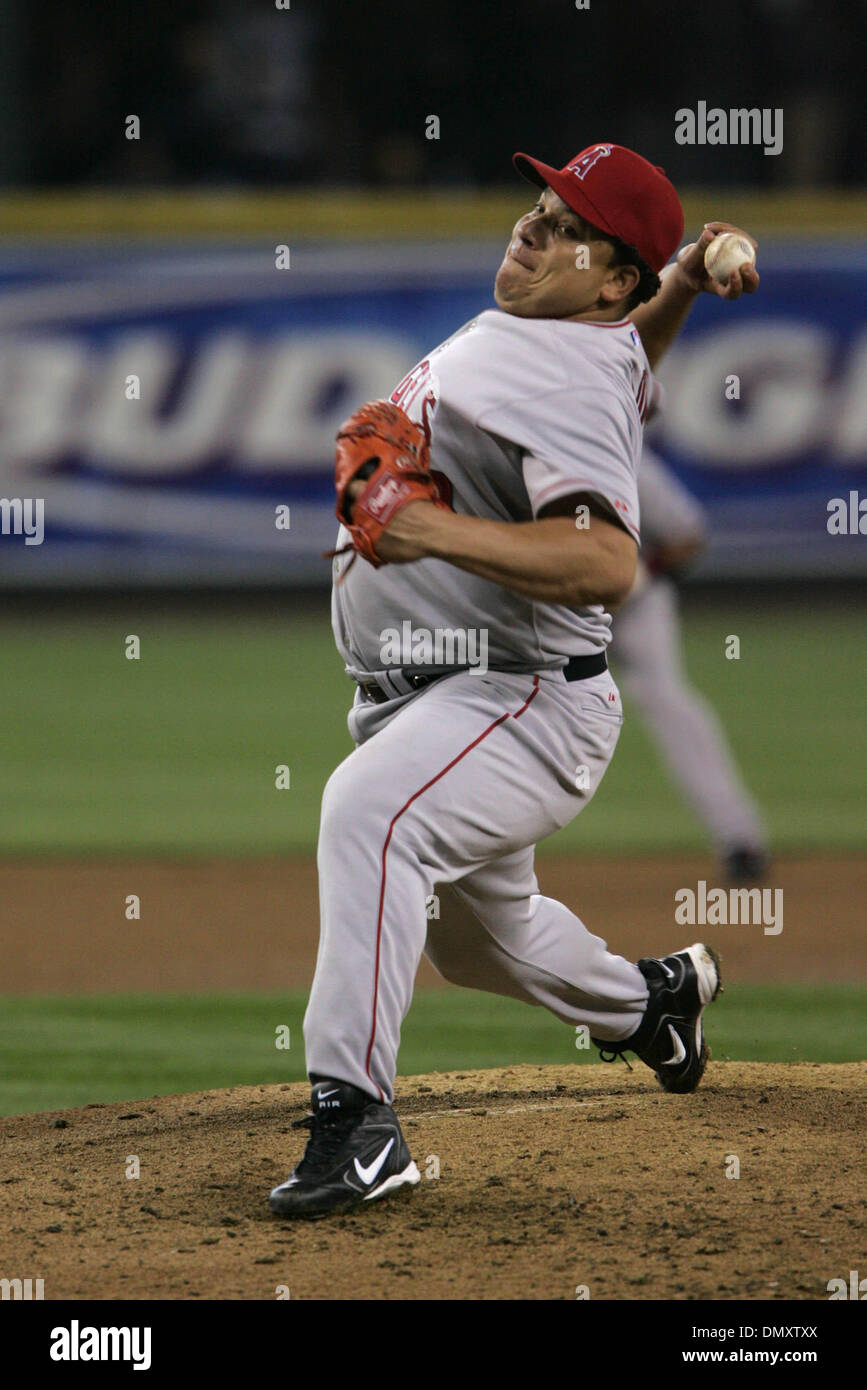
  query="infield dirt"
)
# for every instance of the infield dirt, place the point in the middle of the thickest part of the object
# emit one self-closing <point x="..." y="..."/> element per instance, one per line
<point x="550" y="1179"/>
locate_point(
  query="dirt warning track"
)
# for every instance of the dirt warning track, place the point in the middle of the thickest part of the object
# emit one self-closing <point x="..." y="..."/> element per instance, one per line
<point x="252" y="924"/>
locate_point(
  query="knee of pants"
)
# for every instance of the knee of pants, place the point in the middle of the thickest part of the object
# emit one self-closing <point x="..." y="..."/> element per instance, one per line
<point x="347" y="816"/>
<point x="360" y="816"/>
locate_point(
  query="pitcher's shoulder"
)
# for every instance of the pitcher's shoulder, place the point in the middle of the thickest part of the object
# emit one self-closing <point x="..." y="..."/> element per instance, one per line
<point x="505" y="336"/>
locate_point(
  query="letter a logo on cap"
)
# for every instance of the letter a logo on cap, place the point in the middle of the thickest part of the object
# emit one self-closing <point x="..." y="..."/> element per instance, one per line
<point x="583" y="165"/>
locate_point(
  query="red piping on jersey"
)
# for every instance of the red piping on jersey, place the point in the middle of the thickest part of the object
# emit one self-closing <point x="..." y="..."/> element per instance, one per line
<point x="469" y="748"/>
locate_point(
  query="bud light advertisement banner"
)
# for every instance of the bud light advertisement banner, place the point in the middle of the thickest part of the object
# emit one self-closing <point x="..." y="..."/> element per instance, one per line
<point x="168" y="412"/>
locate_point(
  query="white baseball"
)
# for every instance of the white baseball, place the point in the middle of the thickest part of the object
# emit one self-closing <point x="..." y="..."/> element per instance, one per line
<point x="728" y="252"/>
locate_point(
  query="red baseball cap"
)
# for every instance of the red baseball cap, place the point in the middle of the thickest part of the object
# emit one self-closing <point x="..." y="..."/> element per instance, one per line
<point x="617" y="191"/>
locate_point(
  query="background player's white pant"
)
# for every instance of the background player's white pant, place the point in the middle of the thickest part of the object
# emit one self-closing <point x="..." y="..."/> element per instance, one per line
<point x="647" y="657"/>
<point x="456" y="785"/>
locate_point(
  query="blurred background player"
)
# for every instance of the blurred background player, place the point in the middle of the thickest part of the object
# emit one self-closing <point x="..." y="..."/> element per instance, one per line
<point x="647" y="656"/>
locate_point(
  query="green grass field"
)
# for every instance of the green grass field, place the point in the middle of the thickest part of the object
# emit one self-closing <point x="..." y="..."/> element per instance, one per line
<point x="176" y="752"/>
<point x="58" y="1053"/>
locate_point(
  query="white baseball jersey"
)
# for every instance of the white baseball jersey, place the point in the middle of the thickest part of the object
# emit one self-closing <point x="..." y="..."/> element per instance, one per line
<point x="519" y="413"/>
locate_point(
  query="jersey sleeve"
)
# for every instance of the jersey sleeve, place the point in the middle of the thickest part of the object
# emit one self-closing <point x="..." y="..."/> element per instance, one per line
<point x="580" y="440"/>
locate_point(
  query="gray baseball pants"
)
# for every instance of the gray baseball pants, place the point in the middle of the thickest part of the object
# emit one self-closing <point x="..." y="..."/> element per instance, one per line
<point x="455" y="784"/>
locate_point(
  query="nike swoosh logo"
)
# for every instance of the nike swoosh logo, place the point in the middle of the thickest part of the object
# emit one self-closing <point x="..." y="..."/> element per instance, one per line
<point x="369" y="1173"/>
<point x="323" y="1095"/>
<point x="679" y="1049"/>
<point x="668" y="970"/>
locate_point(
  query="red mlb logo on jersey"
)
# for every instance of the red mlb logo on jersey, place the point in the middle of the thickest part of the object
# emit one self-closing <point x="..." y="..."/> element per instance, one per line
<point x="582" y="166"/>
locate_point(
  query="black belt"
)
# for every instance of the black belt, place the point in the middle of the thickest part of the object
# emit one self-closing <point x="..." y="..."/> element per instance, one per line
<point x="372" y="690"/>
<point x="577" y="668"/>
<point x="581" y="668"/>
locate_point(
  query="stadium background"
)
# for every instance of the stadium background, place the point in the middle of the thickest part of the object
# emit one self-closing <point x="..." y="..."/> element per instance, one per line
<point x="156" y="777"/>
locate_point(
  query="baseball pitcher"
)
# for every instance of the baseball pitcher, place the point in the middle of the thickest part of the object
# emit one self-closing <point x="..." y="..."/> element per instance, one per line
<point x="489" y="516"/>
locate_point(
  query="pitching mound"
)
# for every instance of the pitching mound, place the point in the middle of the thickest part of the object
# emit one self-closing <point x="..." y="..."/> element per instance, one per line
<point x="550" y="1178"/>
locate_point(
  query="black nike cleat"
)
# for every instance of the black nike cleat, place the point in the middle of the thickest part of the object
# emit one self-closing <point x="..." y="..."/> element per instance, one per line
<point x="355" y="1153"/>
<point x="669" y="1037"/>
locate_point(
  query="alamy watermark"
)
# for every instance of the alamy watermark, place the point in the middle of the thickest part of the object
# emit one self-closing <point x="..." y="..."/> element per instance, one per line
<point x="23" y="516"/>
<point x="847" y="516"/>
<point x="439" y="646"/>
<point x="856" y="1287"/>
<point x="77" y="1343"/>
<point x="24" y="1289"/>
<point x="723" y="907"/>
<point x="737" y="126"/>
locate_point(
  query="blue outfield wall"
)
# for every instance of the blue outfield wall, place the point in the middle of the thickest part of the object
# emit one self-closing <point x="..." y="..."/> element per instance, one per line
<point x="245" y="372"/>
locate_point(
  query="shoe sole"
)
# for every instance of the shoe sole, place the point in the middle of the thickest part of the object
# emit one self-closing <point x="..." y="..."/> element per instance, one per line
<point x="410" y="1175"/>
<point x="408" y="1178"/>
<point x="707" y="968"/>
<point x="706" y="962"/>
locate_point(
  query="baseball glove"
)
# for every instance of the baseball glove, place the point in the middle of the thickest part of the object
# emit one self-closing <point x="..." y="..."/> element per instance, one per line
<point x="380" y="445"/>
